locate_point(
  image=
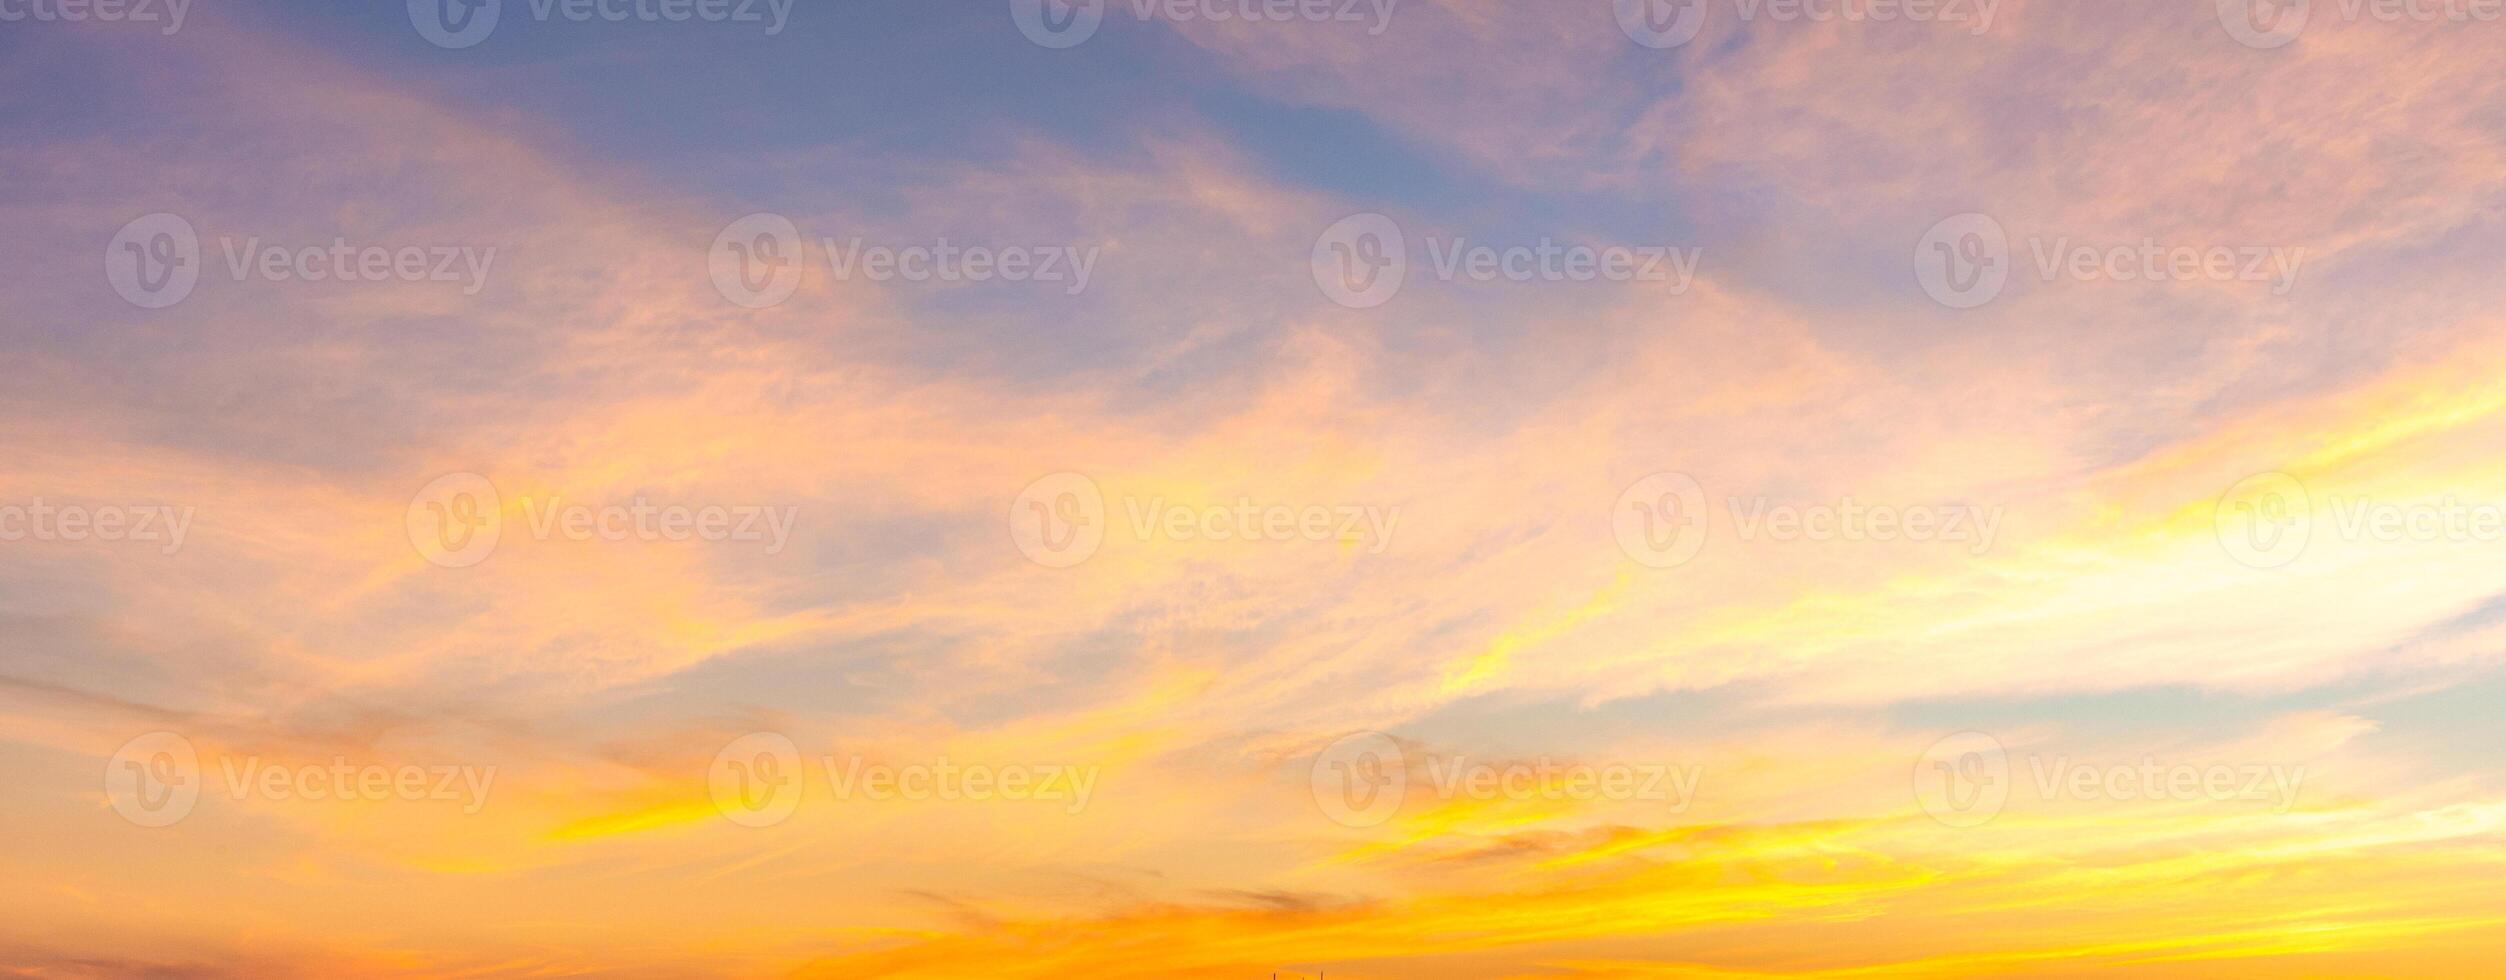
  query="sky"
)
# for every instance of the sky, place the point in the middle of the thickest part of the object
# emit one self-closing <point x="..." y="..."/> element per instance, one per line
<point x="1250" y="488"/>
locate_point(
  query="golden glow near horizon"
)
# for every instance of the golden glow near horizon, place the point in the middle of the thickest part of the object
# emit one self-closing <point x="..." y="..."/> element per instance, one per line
<point x="1464" y="489"/>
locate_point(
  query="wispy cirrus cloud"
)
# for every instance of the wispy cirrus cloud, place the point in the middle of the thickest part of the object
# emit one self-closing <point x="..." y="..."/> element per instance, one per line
<point x="1478" y="591"/>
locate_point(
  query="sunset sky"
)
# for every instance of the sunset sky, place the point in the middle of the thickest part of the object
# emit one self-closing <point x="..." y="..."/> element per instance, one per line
<point x="1235" y="488"/>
